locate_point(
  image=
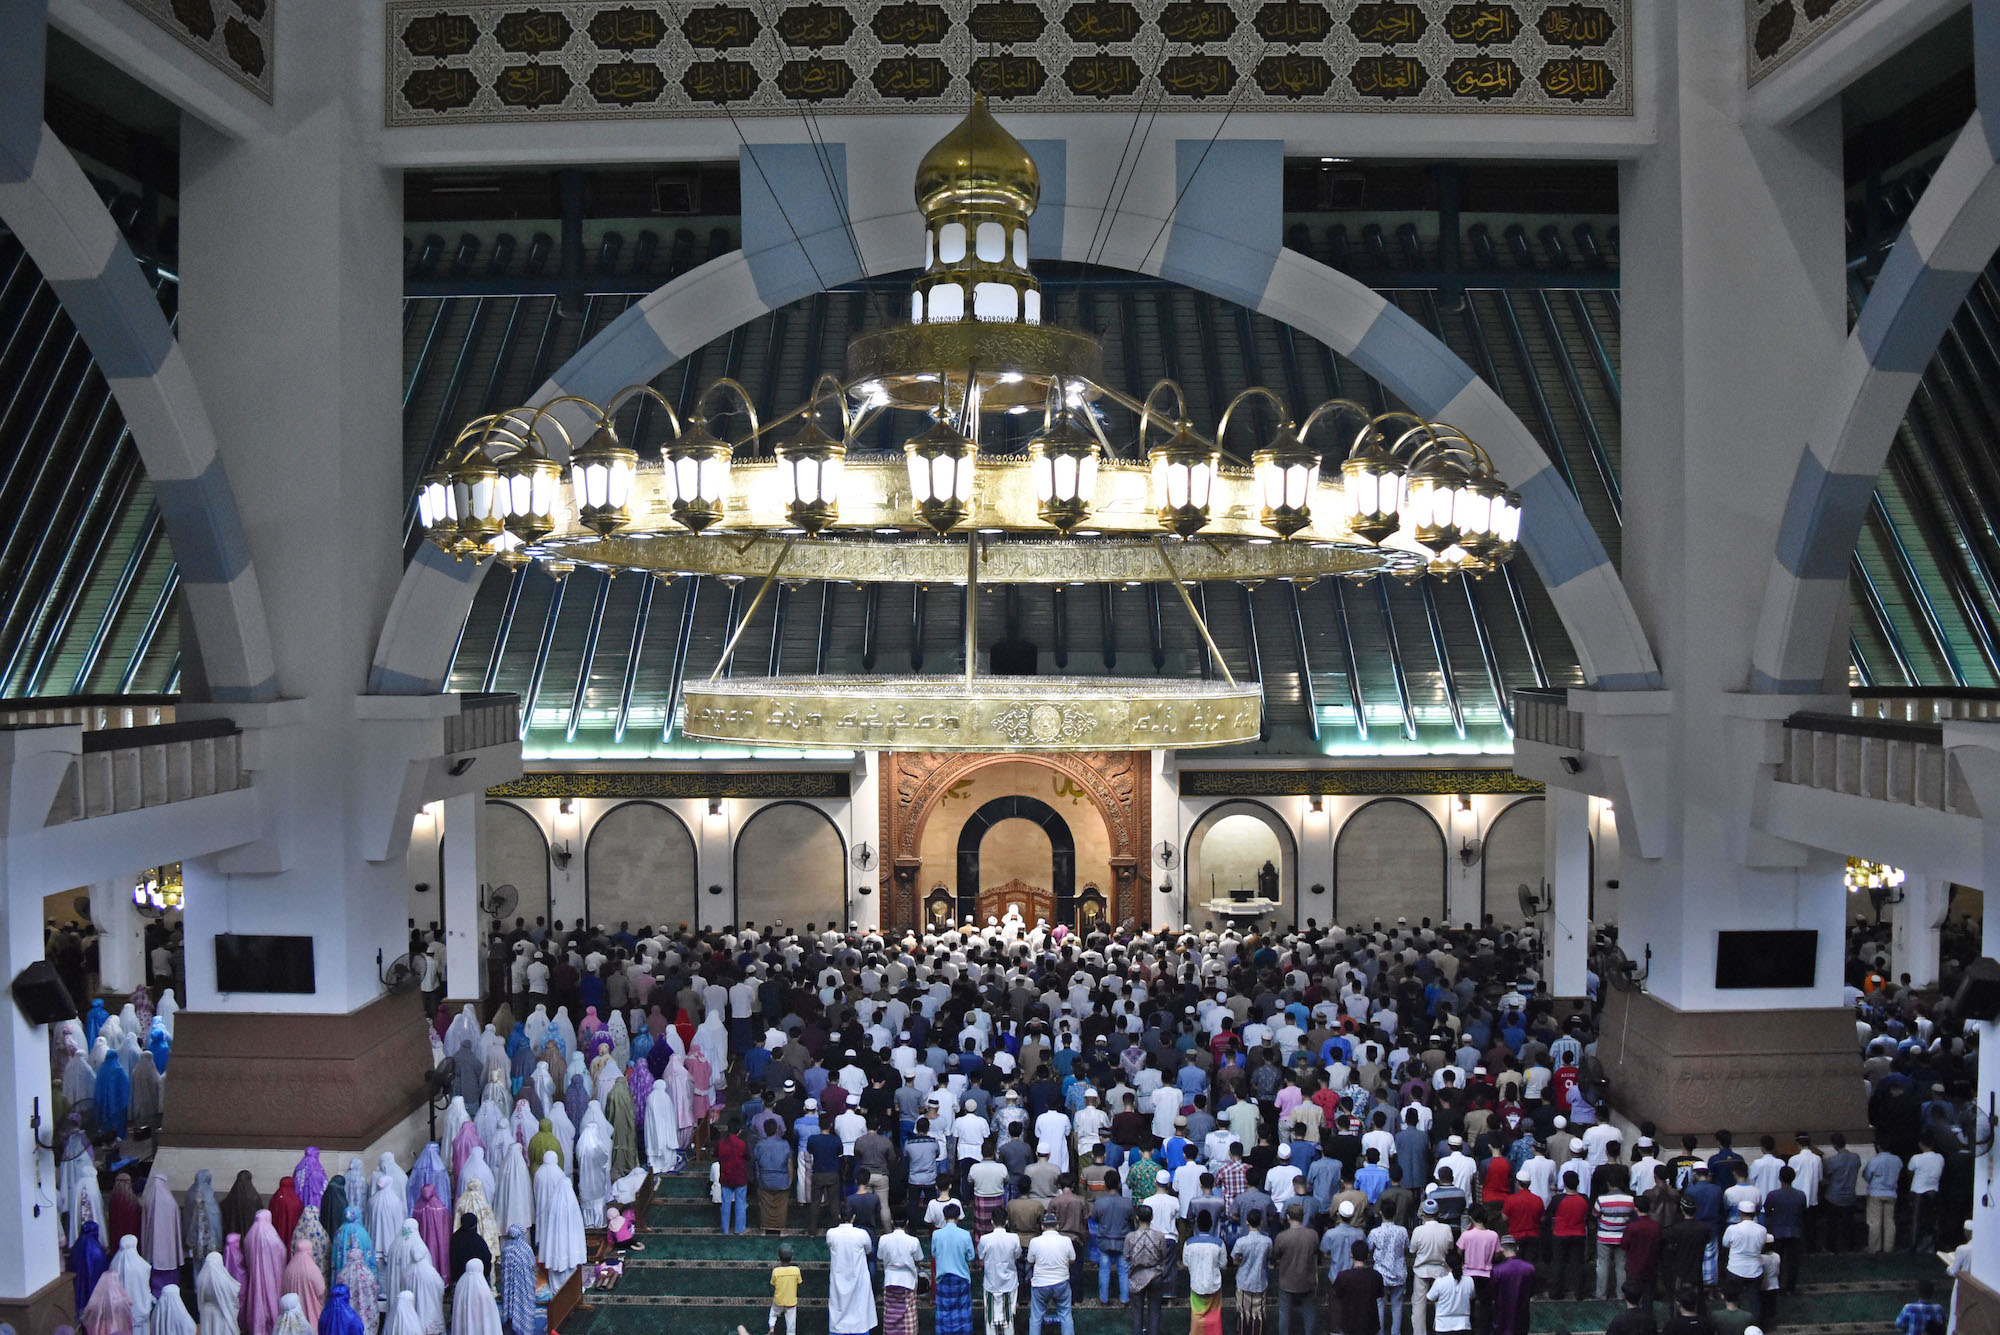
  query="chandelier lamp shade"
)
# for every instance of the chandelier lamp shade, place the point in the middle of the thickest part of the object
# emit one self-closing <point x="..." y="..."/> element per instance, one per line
<point x="1338" y="492"/>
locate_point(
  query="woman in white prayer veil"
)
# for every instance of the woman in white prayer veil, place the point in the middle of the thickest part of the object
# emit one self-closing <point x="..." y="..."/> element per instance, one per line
<point x="473" y="1309"/>
<point x="565" y="1133"/>
<point x="494" y="1132"/>
<point x="400" y="1255"/>
<point x="477" y="1170"/>
<point x="403" y="1318"/>
<point x="608" y="1075"/>
<point x="360" y="1185"/>
<point x="564" y="1029"/>
<point x="76" y="1182"/>
<point x="166" y="1008"/>
<point x="712" y="1037"/>
<point x="544" y="1085"/>
<point x="170" y="1314"/>
<point x="492" y="1047"/>
<point x="663" y="1133"/>
<point x="514" y="1200"/>
<point x="387" y="1213"/>
<point x="398" y="1179"/>
<point x="558" y="1221"/>
<point x="128" y="1020"/>
<point x="497" y="1092"/>
<point x="137" y="1277"/>
<point x="536" y="1026"/>
<point x="621" y="1039"/>
<point x="593" y="1171"/>
<point x="79" y="1076"/>
<point x="426" y="1285"/>
<point x="219" y="1298"/>
<point x="454" y="1120"/>
<point x="464" y="1028"/>
<point x="291" y="1317"/>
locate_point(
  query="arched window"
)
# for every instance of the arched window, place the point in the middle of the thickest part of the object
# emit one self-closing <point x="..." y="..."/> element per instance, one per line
<point x="1229" y="844"/>
<point x="639" y="867"/>
<point x="791" y="867"/>
<point x="1389" y="863"/>
<point x="517" y="854"/>
<point x="1511" y="857"/>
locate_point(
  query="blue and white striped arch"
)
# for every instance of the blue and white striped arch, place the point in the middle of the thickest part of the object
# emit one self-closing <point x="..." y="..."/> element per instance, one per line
<point x="1950" y="237"/>
<point x="1224" y="238"/>
<point x="65" y="228"/>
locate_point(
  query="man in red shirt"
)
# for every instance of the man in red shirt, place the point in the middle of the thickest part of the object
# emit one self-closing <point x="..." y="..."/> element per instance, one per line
<point x="733" y="1174"/>
<point x="1572" y="1224"/>
<point x="1523" y="1212"/>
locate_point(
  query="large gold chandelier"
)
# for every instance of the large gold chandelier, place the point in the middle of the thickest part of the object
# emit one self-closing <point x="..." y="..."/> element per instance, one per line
<point x="1407" y="496"/>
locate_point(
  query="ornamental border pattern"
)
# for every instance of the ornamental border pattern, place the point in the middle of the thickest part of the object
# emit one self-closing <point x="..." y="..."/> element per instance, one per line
<point x="465" y="62"/>
<point x="1775" y="32"/>
<point x="821" y="785"/>
<point x="235" y="36"/>
<point x="1350" y="782"/>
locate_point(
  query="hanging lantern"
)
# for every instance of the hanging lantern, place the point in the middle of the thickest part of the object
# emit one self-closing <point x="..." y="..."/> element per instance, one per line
<point x="529" y="482"/>
<point x="476" y="495"/>
<point x="1431" y="501"/>
<point x="1064" y="462"/>
<point x="697" y="467"/>
<point x="1371" y="492"/>
<point x="810" y="466"/>
<point x="941" y="462"/>
<point x="435" y="510"/>
<point x="1183" y="478"/>
<point x="600" y="479"/>
<point x="1287" y="475"/>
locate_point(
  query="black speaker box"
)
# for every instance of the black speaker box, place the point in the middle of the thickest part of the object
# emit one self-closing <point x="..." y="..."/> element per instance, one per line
<point x="1979" y="991"/>
<point x="41" y="995"/>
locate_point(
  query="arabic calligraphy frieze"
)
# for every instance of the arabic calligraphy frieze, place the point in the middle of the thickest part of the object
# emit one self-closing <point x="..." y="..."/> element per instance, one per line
<point x="1776" y="31"/>
<point x="488" y="61"/>
<point x="239" y="44"/>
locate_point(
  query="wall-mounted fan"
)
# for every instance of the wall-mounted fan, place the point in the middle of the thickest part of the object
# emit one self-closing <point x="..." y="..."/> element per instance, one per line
<point x="863" y="857"/>
<point x="501" y="900"/>
<point x="1166" y="855"/>
<point x="400" y="973"/>
<point x="1532" y="904"/>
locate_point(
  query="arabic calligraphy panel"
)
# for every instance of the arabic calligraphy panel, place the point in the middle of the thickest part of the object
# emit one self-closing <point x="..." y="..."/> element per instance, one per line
<point x="445" y="63"/>
<point x="238" y="46"/>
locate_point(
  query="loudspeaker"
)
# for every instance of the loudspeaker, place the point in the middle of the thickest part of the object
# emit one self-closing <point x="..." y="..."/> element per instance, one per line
<point x="1979" y="991"/>
<point x="41" y="995"/>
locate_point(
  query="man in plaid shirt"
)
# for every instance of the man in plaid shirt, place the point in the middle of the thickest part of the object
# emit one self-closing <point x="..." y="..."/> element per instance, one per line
<point x="1231" y="1177"/>
<point x="1922" y="1316"/>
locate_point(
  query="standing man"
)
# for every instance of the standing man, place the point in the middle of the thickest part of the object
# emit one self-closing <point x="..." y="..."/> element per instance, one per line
<point x="1357" y="1295"/>
<point x="1050" y="1257"/>
<point x="1840" y="1195"/>
<point x="1513" y="1288"/>
<point x="1251" y="1256"/>
<point x="1148" y="1253"/>
<point x="1000" y="1261"/>
<point x="1111" y="1221"/>
<point x="951" y="1257"/>
<point x="900" y="1255"/>
<point x="850" y="1293"/>
<point x="1430" y="1245"/>
<point x="1294" y="1254"/>
<point x="771" y="1162"/>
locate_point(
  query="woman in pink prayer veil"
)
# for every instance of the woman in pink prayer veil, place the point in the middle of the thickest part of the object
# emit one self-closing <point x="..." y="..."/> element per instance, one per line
<point x="303" y="1277"/>
<point x="466" y="1141"/>
<point x="433" y="1218"/>
<point x="263" y="1275"/>
<point x="109" y="1311"/>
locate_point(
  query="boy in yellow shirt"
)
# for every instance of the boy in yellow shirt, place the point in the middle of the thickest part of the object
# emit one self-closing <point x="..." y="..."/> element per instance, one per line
<point x="784" y="1293"/>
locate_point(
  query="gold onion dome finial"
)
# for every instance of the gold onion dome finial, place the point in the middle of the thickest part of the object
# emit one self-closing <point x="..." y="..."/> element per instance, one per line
<point x="978" y="165"/>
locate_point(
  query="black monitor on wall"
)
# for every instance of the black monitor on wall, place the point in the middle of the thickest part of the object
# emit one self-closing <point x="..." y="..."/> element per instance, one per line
<point x="1766" y="959"/>
<point x="263" y="963"/>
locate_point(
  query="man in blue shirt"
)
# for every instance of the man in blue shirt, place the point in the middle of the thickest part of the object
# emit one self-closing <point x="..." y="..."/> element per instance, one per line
<point x="951" y="1250"/>
<point x="1373" y="1179"/>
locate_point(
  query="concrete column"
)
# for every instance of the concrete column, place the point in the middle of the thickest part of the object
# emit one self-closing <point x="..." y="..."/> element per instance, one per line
<point x="464" y="882"/>
<point x="1315" y="861"/>
<point x="1914" y="924"/>
<point x="1566" y="864"/>
<point x="30" y="1258"/>
<point x="864" y="827"/>
<point x="715" y="844"/>
<point x="121" y="938"/>
<point x="1161" y="910"/>
<point x="1985" y="1189"/>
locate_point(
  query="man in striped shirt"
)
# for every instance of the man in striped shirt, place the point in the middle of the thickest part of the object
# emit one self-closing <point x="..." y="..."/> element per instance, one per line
<point x="1614" y="1210"/>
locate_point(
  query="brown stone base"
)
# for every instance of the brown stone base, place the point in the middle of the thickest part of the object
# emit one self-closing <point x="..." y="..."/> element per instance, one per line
<point x="1751" y="1071"/>
<point x="41" y="1312"/>
<point x="1978" y="1307"/>
<point x="287" y="1081"/>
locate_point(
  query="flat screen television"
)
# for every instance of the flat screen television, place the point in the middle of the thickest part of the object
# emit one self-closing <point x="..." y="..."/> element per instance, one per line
<point x="1766" y="959"/>
<point x="263" y="963"/>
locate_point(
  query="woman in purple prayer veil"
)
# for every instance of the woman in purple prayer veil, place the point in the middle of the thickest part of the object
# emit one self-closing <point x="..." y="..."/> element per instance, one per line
<point x="641" y="1081"/>
<point x="429" y="1170"/>
<point x="87" y="1263"/>
<point x="309" y="1178"/>
<point x="338" y="1317"/>
<point x="160" y="1231"/>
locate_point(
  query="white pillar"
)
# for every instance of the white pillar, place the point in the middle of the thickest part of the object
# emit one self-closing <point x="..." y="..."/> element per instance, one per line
<point x="1566" y="863"/>
<point x="464" y="882"/>
<point x="121" y="938"/>
<point x="1914" y="924"/>
<point x="1985" y="1189"/>
<point x="30" y="1257"/>
<point x="1160" y="910"/>
<point x="864" y="829"/>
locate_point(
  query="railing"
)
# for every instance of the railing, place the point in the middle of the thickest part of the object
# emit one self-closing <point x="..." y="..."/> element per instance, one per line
<point x="489" y="719"/>
<point x="1903" y="705"/>
<point x="92" y="713"/>
<point x="1545" y="717"/>
<point x="130" y="769"/>
<point x="1905" y="763"/>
